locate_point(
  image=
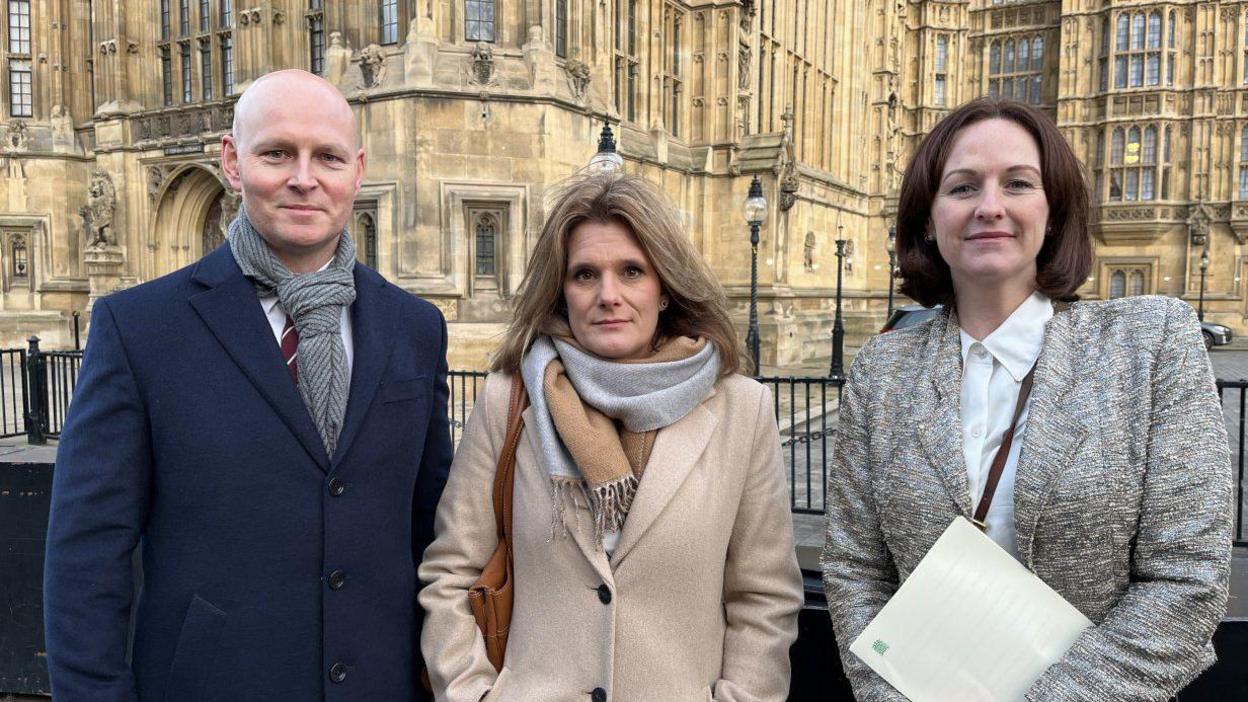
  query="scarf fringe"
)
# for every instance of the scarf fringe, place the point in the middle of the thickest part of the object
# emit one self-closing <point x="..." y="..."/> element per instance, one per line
<point x="609" y="503"/>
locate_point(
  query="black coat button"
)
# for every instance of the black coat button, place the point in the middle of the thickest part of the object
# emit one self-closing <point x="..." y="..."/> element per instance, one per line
<point x="337" y="579"/>
<point x="338" y="673"/>
<point x="604" y="594"/>
<point x="337" y="487"/>
<point x="598" y="695"/>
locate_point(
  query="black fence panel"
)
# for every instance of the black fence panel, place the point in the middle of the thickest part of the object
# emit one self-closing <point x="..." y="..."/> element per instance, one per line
<point x="805" y="411"/>
<point x="463" y="387"/>
<point x="12" y="392"/>
<point x="1233" y="397"/>
<point x="61" y="373"/>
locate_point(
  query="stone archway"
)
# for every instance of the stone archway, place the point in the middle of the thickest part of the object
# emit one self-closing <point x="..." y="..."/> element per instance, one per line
<point x="189" y="211"/>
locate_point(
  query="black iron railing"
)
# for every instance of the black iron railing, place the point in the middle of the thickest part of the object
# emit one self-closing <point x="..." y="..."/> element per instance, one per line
<point x="805" y="411"/>
<point x="36" y="387"/>
<point x="463" y="387"/>
<point x="12" y="392"/>
<point x="1233" y="401"/>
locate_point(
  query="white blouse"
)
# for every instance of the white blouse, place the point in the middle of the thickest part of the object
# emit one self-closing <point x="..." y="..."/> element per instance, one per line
<point x="992" y="375"/>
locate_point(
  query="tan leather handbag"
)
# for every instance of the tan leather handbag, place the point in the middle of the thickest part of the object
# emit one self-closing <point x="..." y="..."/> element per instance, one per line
<point x="491" y="595"/>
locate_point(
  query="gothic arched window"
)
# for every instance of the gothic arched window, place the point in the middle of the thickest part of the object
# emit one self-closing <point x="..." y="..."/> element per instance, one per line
<point x="1137" y="283"/>
<point x="368" y="230"/>
<point x="486" y="234"/>
<point x="1117" y="285"/>
<point x="1243" y="163"/>
<point x="21" y="263"/>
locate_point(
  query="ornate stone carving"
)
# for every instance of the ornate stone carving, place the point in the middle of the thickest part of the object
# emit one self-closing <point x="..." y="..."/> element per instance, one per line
<point x="155" y="178"/>
<point x="132" y="46"/>
<point x="1198" y="224"/>
<point x="230" y="202"/>
<point x="579" y="78"/>
<point x="185" y="122"/>
<point x="747" y="15"/>
<point x="108" y="46"/>
<point x="101" y="203"/>
<point x="808" y="253"/>
<point x="372" y="66"/>
<point x="482" y="71"/>
<point x="18" y="138"/>
<point x="788" y="161"/>
<point x="743" y="66"/>
<point x="337" y="58"/>
<point x="1131" y="214"/>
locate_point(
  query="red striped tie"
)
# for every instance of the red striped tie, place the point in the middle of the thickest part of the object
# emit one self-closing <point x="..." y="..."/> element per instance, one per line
<point x="290" y="348"/>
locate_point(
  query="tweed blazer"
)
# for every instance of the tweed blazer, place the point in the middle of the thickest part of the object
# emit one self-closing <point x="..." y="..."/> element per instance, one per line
<point x="1122" y="495"/>
<point x="699" y="600"/>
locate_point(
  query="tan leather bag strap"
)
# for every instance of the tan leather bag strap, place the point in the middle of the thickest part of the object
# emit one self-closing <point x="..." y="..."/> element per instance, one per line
<point x="1003" y="453"/>
<point x="505" y="476"/>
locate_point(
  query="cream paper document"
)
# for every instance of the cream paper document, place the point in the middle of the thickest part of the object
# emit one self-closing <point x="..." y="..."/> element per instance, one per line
<point x="970" y="623"/>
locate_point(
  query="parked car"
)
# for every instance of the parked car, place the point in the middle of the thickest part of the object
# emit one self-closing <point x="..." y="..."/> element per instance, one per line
<point x="908" y="316"/>
<point x="1215" y="334"/>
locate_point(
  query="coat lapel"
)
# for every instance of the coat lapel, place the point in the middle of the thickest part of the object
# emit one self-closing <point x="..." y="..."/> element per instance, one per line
<point x="580" y="527"/>
<point x="677" y="449"/>
<point x="938" y="405"/>
<point x="372" y="314"/>
<point x="231" y="310"/>
<point x="1053" y="432"/>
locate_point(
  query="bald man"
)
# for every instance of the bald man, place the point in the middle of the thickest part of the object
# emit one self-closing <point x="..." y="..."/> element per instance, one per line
<point x="268" y="427"/>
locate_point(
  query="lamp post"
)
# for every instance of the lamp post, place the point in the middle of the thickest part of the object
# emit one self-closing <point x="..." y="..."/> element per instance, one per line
<point x="755" y="211"/>
<point x="892" y="265"/>
<point x="1204" y="268"/>
<point x="838" y="328"/>
<point x="607" y="160"/>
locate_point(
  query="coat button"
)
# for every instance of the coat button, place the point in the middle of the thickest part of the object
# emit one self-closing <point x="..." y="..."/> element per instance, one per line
<point x="338" y="673"/>
<point x="604" y="594"/>
<point x="337" y="579"/>
<point x="337" y="487"/>
<point x="598" y="695"/>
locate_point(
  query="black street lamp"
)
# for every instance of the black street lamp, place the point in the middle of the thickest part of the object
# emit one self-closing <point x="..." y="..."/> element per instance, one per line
<point x="838" y="328"/>
<point x="892" y="266"/>
<point x="607" y="160"/>
<point x="1204" y="268"/>
<point x="755" y="210"/>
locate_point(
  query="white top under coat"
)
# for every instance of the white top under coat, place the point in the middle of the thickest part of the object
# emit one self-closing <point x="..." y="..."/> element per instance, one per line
<point x="992" y="375"/>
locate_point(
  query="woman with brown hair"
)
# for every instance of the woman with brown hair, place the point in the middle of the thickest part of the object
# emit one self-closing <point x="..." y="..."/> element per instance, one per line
<point x="652" y="542"/>
<point x="1085" y="438"/>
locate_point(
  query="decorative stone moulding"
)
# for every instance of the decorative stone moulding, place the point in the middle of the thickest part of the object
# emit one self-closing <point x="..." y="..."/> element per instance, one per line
<point x="1134" y="224"/>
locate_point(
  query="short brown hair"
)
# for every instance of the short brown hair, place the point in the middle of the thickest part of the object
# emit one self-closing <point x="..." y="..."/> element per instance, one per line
<point x="1066" y="255"/>
<point x="698" y="306"/>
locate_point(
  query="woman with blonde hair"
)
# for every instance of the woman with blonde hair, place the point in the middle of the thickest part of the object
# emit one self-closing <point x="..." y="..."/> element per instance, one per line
<point x="651" y="538"/>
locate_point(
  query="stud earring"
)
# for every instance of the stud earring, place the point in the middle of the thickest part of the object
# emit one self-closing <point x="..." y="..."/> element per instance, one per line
<point x="662" y="305"/>
<point x="929" y="236"/>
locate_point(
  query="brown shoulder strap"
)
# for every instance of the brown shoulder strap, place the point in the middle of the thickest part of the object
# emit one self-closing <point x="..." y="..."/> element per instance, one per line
<point x="1003" y="453"/>
<point x="505" y="476"/>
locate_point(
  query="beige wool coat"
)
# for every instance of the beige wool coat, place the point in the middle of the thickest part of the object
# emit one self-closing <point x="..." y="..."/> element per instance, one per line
<point x="699" y="600"/>
<point x="1122" y="495"/>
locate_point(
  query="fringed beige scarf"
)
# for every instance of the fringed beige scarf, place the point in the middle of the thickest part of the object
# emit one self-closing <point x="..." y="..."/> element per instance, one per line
<point x="606" y="415"/>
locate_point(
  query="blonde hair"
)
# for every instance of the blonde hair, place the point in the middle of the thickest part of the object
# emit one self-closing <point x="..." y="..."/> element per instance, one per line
<point x="697" y="304"/>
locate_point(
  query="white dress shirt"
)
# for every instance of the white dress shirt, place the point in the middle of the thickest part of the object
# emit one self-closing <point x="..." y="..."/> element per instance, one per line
<point x="992" y="375"/>
<point x="277" y="321"/>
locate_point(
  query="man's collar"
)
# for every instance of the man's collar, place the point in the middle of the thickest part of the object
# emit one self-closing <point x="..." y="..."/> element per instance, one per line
<point x="270" y="301"/>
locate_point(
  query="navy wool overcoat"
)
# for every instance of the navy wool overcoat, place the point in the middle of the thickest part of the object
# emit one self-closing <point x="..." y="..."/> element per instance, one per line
<point x="270" y="570"/>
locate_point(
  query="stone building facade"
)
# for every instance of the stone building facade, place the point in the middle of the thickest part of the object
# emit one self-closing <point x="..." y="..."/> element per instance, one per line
<point x="472" y="111"/>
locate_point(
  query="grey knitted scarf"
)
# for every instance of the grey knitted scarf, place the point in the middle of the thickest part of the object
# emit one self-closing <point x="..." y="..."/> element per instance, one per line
<point x="642" y="396"/>
<point x="315" y="302"/>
